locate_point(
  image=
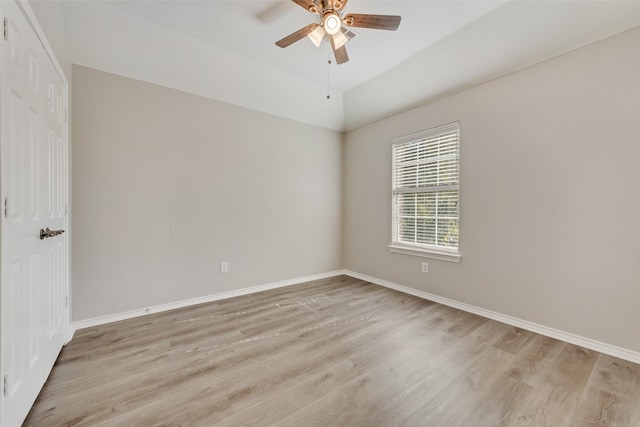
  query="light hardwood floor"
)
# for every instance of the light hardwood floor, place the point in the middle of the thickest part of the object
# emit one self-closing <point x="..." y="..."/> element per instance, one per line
<point x="339" y="352"/>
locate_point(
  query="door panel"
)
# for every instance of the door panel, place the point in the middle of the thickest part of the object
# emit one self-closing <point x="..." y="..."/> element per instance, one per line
<point x="53" y="198"/>
<point x="33" y="168"/>
<point x="22" y="363"/>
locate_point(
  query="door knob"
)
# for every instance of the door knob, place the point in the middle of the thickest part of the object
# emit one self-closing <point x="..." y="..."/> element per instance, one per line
<point x="45" y="233"/>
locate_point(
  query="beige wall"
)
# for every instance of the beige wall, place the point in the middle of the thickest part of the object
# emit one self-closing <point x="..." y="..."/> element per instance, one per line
<point x="550" y="188"/>
<point x="550" y="194"/>
<point x="166" y="185"/>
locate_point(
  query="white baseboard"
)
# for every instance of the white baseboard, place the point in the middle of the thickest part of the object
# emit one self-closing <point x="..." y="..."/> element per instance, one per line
<point x="70" y="331"/>
<point x="88" y="323"/>
<point x="589" y="343"/>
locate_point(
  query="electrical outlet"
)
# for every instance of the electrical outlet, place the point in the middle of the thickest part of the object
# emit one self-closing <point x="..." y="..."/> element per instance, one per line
<point x="425" y="267"/>
<point x="224" y="267"/>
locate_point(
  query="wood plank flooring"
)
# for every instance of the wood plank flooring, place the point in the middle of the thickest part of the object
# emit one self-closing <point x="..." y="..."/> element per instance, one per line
<point x="334" y="352"/>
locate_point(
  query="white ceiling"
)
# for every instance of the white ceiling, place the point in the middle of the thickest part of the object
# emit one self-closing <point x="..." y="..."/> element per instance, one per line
<point x="225" y="49"/>
<point x="251" y="28"/>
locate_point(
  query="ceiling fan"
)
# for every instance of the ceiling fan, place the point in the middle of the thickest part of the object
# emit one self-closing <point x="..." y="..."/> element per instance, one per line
<point x="333" y="25"/>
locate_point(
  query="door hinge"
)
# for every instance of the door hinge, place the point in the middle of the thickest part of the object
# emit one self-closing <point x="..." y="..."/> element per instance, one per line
<point x="66" y="116"/>
<point x="6" y="28"/>
<point x="6" y="385"/>
<point x="66" y="301"/>
<point x="6" y="207"/>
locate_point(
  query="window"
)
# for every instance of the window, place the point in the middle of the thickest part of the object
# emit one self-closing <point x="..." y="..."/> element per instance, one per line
<point x="426" y="169"/>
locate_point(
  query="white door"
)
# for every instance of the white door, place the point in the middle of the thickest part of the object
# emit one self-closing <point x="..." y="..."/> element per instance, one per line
<point x="33" y="172"/>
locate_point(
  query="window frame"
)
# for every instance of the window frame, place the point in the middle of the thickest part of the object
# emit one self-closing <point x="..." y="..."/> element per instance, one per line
<point x="417" y="249"/>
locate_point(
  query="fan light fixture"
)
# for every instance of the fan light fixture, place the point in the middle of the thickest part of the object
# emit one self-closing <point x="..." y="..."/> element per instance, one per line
<point x="317" y="35"/>
<point x="331" y="23"/>
<point x="339" y="39"/>
<point x="335" y="26"/>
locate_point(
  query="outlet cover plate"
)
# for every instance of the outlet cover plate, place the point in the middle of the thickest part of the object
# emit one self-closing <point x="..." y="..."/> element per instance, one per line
<point x="425" y="267"/>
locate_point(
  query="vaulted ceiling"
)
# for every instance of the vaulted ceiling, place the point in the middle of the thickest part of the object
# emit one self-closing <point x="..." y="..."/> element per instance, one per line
<point x="225" y="49"/>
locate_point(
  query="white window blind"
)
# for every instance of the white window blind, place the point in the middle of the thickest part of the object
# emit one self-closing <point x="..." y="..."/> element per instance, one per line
<point x="426" y="169"/>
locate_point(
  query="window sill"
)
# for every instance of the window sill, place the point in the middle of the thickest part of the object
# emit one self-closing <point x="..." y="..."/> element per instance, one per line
<point x="426" y="253"/>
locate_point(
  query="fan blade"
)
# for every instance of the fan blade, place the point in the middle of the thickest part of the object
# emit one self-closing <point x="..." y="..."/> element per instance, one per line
<point x="294" y="37"/>
<point x="349" y="34"/>
<point x="308" y="5"/>
<point x="273" y="12"/>
<point x="340" y="53"/>
<point x="378" y="22"/>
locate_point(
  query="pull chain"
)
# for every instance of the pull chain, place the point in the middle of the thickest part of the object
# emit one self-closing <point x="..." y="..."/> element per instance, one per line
<point x="328" y="85"/>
